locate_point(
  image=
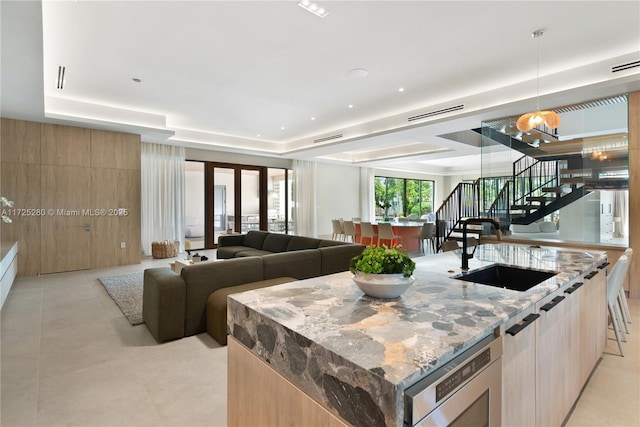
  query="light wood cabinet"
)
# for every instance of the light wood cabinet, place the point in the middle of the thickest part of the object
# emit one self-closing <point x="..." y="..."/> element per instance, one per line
<point x="552" y="360"/>
<point x="554" y="349"/>
<point x="518" y="371"/>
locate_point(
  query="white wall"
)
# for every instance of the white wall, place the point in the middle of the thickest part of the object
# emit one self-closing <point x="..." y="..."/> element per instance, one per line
<point x="337" y="194"/>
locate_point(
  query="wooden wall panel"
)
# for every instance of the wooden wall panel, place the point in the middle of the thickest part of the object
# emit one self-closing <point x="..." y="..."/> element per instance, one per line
<point x="20" y="141"/>
<point x="65" y="243"/>
<point x="73" y="169"/>
<point x="114" y="189"/>
<point x="634" y="192"/>
<point x="21" y="183"/>
<point x="115" y="150"/>
<point x="65" y="146"/>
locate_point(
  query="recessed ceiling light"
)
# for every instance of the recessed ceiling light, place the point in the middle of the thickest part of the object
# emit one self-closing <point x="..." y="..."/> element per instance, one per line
<point x="401" y="89"/>
<point x="313" y="118"/>
<point x="281" y="127"/>
<point x="313" y="8"/>
<point x="258" y="135"/>
<point x="350" y="105"/>
<point x="358" y="72"/>
<point x="136" y="80"/>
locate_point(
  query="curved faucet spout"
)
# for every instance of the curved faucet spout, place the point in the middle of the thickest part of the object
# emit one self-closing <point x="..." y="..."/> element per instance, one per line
<point x="475" y="221"/>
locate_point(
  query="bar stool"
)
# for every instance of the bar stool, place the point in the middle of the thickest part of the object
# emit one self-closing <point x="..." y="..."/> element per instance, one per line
<point x="385" y="232"/>
<point x="338" y="231"/>
<point x="614" y="283"/>
<point x="366" y="232"/>
<point x="350" y="230"/>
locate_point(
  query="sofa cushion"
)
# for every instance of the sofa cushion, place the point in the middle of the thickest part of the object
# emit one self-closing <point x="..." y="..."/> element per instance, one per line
<point x="301" y="264"/>
<point x="217" y="305"/>
<point x="254" y="239"/>
<point x="204" y="278"/>
<point x="252" y="252"/>
<point x="227" y="252"/>
<point x="298" y="243"/>
<point x="276" y="242"/>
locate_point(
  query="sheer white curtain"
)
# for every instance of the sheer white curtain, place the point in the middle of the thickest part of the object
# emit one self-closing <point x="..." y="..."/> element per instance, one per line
<point x="367" y="211"/>
<point x="621" y="213"/>
<point x="304" y="174"/>
<point x="162" y="194"/>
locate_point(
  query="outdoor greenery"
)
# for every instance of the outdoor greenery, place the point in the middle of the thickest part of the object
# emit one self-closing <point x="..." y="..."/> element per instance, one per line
<point x="403" y="197"/>
<point x="383" y="260"/>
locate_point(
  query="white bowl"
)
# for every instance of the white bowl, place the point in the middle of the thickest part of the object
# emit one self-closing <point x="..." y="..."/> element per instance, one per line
<point x="383" y="285"/>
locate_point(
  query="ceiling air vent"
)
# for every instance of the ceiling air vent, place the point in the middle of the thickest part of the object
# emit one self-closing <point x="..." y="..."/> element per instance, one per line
<point x="626" y="66"/>
<point x="61" y="71"/>
<point x="327" y="138"/>
<point x="435" y="113"/>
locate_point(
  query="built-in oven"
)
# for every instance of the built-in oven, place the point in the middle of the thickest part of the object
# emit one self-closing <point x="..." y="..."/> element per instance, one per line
<point x="465" y="392"/>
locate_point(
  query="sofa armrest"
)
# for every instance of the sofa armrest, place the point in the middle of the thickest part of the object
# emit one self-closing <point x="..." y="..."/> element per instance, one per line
<point x="204" y="278"/>
<point x="338" y="258"/>
<point x="163" y="303"/>
<point x="230" y="240"/>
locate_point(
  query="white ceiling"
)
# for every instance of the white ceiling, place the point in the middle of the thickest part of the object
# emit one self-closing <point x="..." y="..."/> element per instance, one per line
<point x="216" y="74"/>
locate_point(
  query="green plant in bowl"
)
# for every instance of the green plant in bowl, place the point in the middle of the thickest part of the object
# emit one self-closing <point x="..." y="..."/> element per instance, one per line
<point x="383" y="260"/>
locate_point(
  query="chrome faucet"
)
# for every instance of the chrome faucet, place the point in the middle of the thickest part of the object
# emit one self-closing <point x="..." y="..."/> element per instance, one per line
<point x="475" y="221"/>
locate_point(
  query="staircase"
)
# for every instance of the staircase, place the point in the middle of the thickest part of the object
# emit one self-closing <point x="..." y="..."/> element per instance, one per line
<point x="463" y="202"/>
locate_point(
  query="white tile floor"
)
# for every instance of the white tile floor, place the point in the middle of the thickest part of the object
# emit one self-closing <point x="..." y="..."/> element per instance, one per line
<point x="70" y="358"/>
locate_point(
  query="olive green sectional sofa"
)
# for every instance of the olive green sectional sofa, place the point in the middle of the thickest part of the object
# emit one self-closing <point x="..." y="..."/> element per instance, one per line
<point x="178" y="305"/>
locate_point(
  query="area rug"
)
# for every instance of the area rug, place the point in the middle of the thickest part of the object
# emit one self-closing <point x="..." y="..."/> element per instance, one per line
<point x="126" y="291"/>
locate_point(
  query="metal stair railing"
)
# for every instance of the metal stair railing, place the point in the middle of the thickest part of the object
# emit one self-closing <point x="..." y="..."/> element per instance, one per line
<point x="501" y="206"/>
<point x="530" y="176"/>
<point x="463" y="202"/>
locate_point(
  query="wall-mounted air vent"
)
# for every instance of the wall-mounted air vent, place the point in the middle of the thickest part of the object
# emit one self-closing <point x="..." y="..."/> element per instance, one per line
<point x="626" y="66"/>
<point x="327" y="138"/>
<point x="435" y="113"/>
<point x="61" y="71"/>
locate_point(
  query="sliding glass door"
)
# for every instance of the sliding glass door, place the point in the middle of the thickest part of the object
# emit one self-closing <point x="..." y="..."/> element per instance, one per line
<point x="224" y="198"/>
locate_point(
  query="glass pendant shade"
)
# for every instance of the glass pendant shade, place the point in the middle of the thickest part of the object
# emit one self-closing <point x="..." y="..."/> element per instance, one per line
<point x="528" y="121"/>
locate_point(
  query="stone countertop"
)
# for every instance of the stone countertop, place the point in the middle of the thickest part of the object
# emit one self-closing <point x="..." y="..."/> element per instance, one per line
<point x="356" y="354"/>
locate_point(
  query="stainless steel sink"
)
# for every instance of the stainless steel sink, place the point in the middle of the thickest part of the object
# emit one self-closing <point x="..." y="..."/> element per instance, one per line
<point x="506" y="276"/>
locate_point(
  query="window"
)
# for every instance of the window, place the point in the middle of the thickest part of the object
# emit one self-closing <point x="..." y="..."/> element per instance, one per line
<point x="410" y="198"/>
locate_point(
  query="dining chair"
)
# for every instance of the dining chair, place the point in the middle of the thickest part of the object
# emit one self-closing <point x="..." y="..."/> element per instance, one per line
<point x="350" y="230"/>
<point x="449" y="245"/>
<point x="385" y="232"/>
<point x="427" y="232"/>
<point x="614" y="283"/>
<point x="338" y="231"/>
<point x="366" y="232"/>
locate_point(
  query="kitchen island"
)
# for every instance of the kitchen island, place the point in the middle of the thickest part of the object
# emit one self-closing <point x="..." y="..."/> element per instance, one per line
<point x="355" y="356"/>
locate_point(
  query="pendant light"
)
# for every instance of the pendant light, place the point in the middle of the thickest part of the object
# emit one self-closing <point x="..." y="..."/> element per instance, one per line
<point x="528" y="121"/>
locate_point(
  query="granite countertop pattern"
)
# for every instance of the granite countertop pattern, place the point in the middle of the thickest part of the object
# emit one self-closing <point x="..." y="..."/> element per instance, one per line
<point x="356" y="354"/>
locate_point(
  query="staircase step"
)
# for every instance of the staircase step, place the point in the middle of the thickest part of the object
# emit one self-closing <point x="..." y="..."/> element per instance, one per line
<point x="523" y="207"/>
<point x="557" y="190"/>
<point x="579" y="180"/>
<point x="541" y="199"/>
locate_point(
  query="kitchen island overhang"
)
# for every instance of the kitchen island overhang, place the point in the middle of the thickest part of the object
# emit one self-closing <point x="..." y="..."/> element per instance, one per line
<point x="356" y="355"/>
